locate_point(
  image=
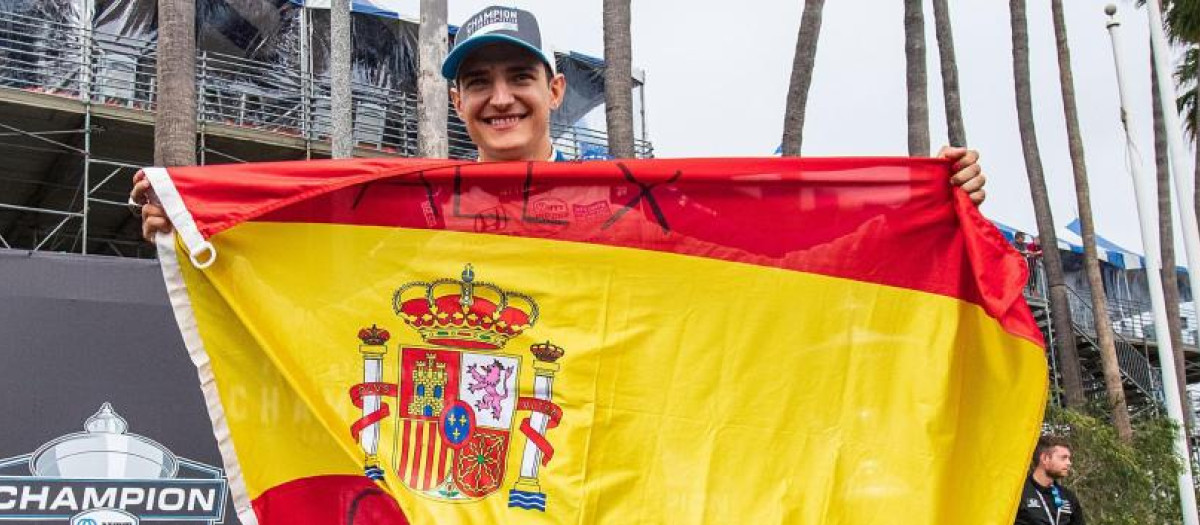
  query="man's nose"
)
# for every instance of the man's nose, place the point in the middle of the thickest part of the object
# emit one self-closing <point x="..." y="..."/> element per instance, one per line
<point x="502" y="94"/>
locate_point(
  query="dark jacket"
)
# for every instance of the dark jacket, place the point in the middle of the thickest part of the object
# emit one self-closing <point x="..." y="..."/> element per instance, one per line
<point x="1038" y="505"/>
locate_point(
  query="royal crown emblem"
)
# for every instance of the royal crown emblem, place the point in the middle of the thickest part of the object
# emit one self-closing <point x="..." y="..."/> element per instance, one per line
<point x="464" y="313"/>
<point x="458" y="396"/>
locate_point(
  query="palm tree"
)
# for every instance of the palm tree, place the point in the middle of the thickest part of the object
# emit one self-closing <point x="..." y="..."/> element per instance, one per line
<point x="1091" y="261"/>
<point x="1060" y="310"/>
<point x="1188" y="73"/>
<point x="175" y="114"/>
<point x="945" y="37"/>
<point x="618" y="78"/>
<point x="918" y="96"/>
<point x="1183" y="27"/>
<point x="432" y="108"/>
<point x="802" y="71"/>
<point x="1170" y="279"/>
<point x="341" y="108"/>
<point x="1182" y="20"/>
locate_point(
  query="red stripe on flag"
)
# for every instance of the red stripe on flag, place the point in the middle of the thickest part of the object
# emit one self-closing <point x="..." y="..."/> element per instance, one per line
<point x="433" y="442"/>
<point x="441" y="470"/>
<point x="327" y="499"/>
<point x="404" y="449"/>
<point x="413" y="480"/>
<point x="895" y="222"/>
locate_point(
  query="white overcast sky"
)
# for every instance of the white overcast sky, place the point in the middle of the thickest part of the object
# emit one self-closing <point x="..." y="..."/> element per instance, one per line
<point x="717" y="75"/>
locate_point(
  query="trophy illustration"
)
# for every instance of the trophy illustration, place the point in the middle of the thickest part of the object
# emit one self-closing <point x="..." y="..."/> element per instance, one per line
<point x="104" y="450"/>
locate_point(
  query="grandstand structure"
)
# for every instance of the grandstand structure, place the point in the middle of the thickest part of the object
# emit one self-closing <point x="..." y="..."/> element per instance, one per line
<point x="1136" y="346"/>
<point x="77" y="101"/>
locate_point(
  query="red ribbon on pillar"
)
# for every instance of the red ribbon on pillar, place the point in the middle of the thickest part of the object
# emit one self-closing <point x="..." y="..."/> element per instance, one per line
<point x="363" y="390"/>
<point x="551" y="410"/>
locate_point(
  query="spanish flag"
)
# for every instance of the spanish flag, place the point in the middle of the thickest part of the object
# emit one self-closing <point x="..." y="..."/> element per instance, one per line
<point x="766" y="341"/>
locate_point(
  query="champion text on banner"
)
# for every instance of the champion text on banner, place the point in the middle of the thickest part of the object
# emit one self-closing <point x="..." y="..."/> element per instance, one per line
<point x="767" y="341"/>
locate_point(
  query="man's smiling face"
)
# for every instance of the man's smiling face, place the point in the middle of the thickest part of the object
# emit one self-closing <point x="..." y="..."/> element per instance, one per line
<point x="504" y="95"/>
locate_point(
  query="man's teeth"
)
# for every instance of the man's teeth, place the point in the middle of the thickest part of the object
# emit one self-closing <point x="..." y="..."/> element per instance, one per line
<point x="503" y="121"/>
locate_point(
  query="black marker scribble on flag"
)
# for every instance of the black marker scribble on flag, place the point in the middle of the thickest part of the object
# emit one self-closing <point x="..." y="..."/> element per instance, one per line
<point x="458" y="201"/>
<point x="361" y="193"/>
<point x="437" y="212"/>
<point x="643" y="194"/>
<point x="525" y="191"/>
<point x="352" y="511"/>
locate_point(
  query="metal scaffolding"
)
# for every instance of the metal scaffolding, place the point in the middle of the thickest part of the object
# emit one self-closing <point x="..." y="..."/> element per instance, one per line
<point x="76" y="108"/>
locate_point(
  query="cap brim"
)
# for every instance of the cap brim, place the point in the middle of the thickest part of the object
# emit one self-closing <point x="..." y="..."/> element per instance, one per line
<point x="460" y="52"/>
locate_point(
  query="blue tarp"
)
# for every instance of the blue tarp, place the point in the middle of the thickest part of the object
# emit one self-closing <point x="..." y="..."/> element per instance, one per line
<point x="1069" y="238"/>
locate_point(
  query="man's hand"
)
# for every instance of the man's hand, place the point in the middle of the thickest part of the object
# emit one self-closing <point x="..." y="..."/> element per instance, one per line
<point x="154" y="217"/>
<point x="968" y="175"/>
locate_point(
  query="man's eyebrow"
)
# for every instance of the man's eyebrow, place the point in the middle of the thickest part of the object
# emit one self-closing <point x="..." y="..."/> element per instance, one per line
<point x="472" y="73"/>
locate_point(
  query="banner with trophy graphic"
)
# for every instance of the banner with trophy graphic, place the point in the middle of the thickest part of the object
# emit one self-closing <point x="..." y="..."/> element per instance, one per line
<point x="761" y="341"/>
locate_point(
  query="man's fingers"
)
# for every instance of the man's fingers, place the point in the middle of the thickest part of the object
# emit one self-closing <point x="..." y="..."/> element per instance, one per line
<point x="975" y="184"/>
<point x="152" y="210"/>
<point x="152" y="225"/>
<point x="969" y="157"/>
<point x="154" y="219"/>
<point x="978" y="197"/>
<point x="967" y="175"/>
<point x="951" y="152"/>
<point x="140" y="190"/>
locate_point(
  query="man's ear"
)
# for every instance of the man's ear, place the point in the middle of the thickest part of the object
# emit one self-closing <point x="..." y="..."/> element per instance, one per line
<point x="558" y="88"/>
<point x="456" y="100"/>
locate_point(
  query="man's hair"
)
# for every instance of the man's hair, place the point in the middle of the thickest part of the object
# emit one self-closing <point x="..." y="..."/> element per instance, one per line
<point x="1046" y="444"/>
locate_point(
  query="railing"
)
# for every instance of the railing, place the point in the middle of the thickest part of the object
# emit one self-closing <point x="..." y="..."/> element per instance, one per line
<point x="1035" y="286"/>
<point x="1136" y="320"/>
<point x="108" y="69"/>
<point x="1134" y="364"/>
<point x="1132" y="319"/>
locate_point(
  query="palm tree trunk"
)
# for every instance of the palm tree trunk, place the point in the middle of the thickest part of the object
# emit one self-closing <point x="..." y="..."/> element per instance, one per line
<point x="802" y="74"/>
<point x="618" y="78"/>
<point x="432" y="107"/>
<point x="1091" y="261"/>
<point x="1166" y="235"/>
<point x="918" y="95"/>
<point x="175" y="114"/>
<point x="945" y="37"/>
<point x="1060" y="310"/>
<point x="341" y="108"/>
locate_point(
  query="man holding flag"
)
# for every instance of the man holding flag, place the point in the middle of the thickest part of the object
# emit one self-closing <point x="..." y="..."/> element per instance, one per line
<point x="626" y="341"/>
<point x="505" y="86"/>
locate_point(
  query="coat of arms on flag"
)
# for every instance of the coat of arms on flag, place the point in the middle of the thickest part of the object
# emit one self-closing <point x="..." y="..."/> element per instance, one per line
<point x="457" y="400"/>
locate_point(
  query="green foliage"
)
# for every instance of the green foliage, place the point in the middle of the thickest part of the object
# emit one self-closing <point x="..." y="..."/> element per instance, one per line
<point x="1186" y="75"/>
<point x="1120" y="484"/>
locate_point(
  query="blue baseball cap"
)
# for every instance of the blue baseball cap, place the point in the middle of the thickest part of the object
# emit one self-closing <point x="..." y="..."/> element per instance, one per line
<point x="495" y="25"/>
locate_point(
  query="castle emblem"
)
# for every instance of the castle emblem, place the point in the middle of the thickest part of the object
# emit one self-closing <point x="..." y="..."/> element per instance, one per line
<point x="459" y="404"/>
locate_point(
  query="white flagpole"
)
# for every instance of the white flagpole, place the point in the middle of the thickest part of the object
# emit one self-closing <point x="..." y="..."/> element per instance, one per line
<point x="1148" y="219"/>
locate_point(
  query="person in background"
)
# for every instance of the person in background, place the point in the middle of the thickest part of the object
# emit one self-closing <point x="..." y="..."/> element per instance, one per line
<point x="1044" y="501"/>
